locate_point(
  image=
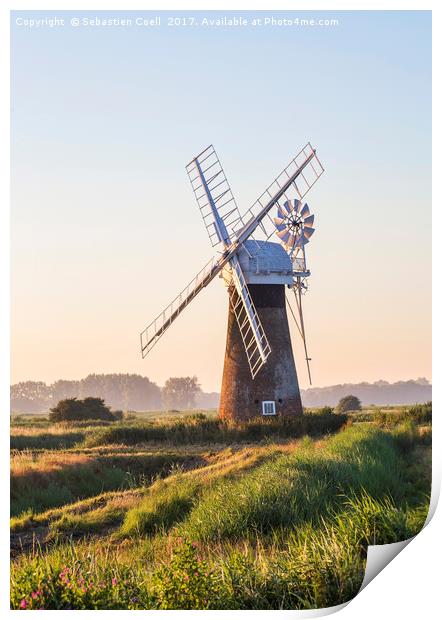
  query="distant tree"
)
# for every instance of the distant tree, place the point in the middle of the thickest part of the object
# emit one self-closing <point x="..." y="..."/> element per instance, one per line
<point x="95" y="409"/>
<point x="67" y="409"/>
<point x="123" y="391"/>
<point x="30" y="397"/>
<point x="70" y="409"/>
<point x="348" y="403"/>
<point x="180" y="392"/>
<point x="139" y="393"/>
<point x="64" y="388"/>
<point x="120" y="391"/>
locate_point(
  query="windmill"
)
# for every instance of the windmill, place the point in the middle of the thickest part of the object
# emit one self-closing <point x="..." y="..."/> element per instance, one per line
<point x="255" y="271"/>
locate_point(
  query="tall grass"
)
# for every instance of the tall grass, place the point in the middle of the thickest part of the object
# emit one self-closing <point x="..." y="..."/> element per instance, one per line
<point x="266" y="527"/>
<point x="168" y="501"/>
<point x="285" y="490"/>
<point x="417" y="414"/>
<point x="315" y="566"/>
<point x="188" y="429"/>
<point x="185" y="465"/>
<point x="50" y="479"/>
<point x="86" y="515"/>
<point x="60" y="440"/>
<point x="198" y="429"/>
<point x="312" y="567"/>
<point x="297" y="488"/>
<point x="34" y="420"/>
<point x="161" y="510"/>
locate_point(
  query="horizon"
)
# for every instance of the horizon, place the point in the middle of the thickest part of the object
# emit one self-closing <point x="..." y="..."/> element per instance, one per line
<point x="105" y="229"/>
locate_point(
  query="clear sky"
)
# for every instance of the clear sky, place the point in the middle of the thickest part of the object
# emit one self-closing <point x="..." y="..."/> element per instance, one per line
<point x="105" y="229"/>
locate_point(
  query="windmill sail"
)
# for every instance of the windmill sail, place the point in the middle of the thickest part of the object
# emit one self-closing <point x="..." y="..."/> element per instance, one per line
<point x="206" y="174"/>
<point x="296" y="179"/>
<point x="252" y="333"/>
<point x="153" y="332"/>
<point x="255" y="341"/>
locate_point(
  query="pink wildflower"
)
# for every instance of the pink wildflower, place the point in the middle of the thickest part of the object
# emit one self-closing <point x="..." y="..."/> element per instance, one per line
<point x="23" y="603"/>
<point x="114" y="581"/>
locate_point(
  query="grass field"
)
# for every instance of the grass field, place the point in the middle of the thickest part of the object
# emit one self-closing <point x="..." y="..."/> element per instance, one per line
<point x="179" y="511"/>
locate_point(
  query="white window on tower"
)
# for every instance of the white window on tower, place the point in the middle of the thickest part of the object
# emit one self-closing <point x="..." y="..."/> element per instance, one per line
<point x="268" y="407"/>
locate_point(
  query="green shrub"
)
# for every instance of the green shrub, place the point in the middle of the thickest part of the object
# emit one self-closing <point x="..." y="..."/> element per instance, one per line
<point x="348" y="403"/>
<point x="89" y="408"/>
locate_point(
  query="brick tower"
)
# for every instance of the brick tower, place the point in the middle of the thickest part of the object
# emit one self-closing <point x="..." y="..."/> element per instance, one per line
<point x="275" y="391"/>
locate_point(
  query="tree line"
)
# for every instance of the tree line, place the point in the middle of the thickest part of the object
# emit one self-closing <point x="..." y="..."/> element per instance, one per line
<point x="127" y="392"/>
<point x="131" y="392"/>
<point x="377" y="393"/>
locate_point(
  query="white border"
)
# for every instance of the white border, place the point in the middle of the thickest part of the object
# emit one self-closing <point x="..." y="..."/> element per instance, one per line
<point x="408" y="587"/>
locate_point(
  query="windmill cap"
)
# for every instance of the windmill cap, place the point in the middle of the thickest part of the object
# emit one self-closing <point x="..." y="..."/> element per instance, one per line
<point x="264" y="262"/>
